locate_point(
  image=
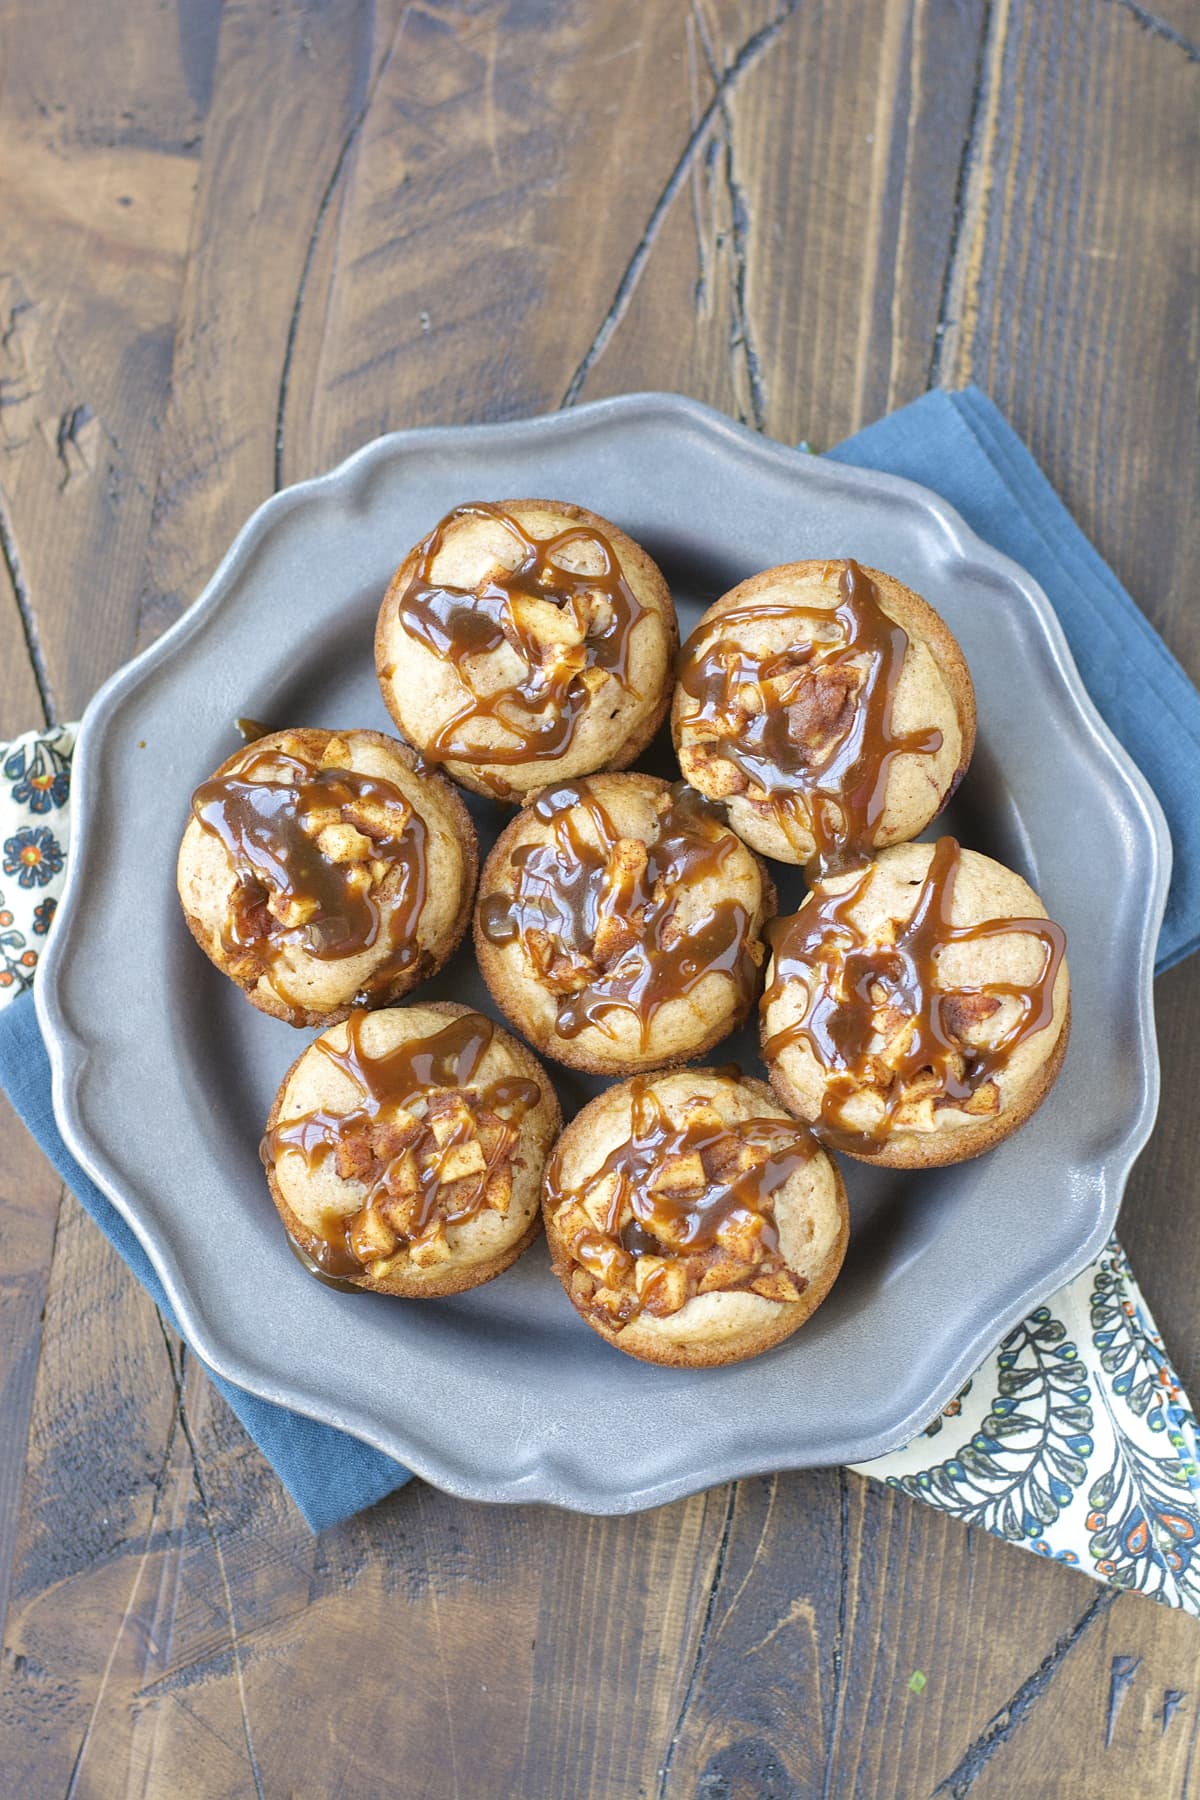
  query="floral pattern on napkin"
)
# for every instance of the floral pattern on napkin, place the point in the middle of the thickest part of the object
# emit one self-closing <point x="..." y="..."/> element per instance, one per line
<point x="1074" y="1438"/>
<point x="35" y="833"/>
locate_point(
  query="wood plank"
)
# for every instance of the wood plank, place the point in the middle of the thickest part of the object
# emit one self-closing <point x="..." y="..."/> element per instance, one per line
<point x="102" y="1448"/>
<point x="1073" y="298"/>
<point x="289" y="89"/>
<point x="29" y="1200"/>
<point x="21" y="703"/>
<point x="1102" y="1728"/>
<point x="98" y="141"/>
<point x="799" y="283"/>
<point x="803" y="1686"/>
<point x="229" y="1588"/>
<point x="1083" y="136"/>
<point x="98" y="167"/>
<point x="408" y="332"/>
<point x="471" y="237"/>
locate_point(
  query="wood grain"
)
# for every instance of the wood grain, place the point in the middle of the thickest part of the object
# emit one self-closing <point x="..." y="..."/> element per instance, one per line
<point x="348" y="219"/>
<point x="29" y="1200"/>
<point x="100" y="149"/>
<point x="287" y="92"/>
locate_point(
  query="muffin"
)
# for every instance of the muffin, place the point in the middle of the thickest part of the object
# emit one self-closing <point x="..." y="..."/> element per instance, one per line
<point x="829" y="707"/>
<point x="917" y="1011"/>
<point x="618" y="924"/>
<point x="691" y="1221"/>
<point x="406" y="1147"/>
<point x="320" y="870"/>
<point x="523" y="642"/>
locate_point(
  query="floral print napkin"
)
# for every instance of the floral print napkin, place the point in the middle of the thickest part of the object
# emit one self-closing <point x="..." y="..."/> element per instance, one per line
<point x="35" y="831"/>
<point x="1074" y="1438"/>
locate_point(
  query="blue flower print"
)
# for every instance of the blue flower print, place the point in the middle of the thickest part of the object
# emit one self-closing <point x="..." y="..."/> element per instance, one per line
<point x="43" y="912"/>
<point x="41" y="776"/>
<point x="34" y="857"/>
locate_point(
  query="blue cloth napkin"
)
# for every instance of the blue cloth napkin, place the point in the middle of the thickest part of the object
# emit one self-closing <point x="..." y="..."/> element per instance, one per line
<point x="956" y="444"/>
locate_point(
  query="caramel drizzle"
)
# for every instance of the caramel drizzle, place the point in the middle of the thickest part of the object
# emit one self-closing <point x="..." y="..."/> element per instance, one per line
<point x="674" y="1225"/>
<point x="403" y="1078"/>
<point x="260" y="822"/>
<point x="567" y="889"/>
<point x="541" y="711"/>
<point x="821" y="947"/>
<point x="839" y="793"/>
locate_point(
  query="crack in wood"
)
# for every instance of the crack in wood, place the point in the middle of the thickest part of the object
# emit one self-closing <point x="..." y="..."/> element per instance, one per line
<point x="24" y="604"/>
<point x="198" y="1481"/>
<point x="966" y="160"/>
<point x="19" y="1440"/>
<point x="73" y="436"/>
<point x="700" y="288"/>
<point x="1186" y="1785"/>
<point x="1173" y="1699"/>
<point x="744" y="59"/>
<point x="664" y="1774"/>
<point x="314" y="237"/>
<point x="839" y="1640"/>
<point x="744" y="1583"/>
<point x="1124" y="1668"/>
<point x="1001" y="1726"/>
<point x="741" y="332"/>
<point x="741" y="335"/>
<point x="158" y="1482"/>
<point x="1158" y="28"/>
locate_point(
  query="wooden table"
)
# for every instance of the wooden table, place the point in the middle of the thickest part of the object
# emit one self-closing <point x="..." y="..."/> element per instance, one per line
<point x="237" y="243"/>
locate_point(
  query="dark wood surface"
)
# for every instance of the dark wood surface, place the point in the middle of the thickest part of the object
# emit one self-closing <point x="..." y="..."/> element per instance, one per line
<point x="236" y="243"/>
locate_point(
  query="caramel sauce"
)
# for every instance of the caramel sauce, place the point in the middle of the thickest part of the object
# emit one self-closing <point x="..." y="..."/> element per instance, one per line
<point x="683" y="1224"/>
<point x="398" y="1082"/>
<point x="848" y="978"/>
<point x="541" y="711"/>
<point x="830" y="777"/>
<point x="329" y="1256"/>
<point x="259" y="814"/>
<point x="574" y="887"/>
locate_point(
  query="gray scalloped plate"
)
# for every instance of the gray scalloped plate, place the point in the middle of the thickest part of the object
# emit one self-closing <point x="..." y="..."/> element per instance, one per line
<point x="163" y="1075"/>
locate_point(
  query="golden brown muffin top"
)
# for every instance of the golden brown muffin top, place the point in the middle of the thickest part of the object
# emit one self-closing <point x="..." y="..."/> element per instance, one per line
<point x="625" y="895"/>
<point x="396" y="1127"/>
<point x="320" y="868"/>
<point x="812" y="700"/>
<point x="516" y="616"/>
<point x="680" y="1186"/>
<point x="907" y="996"/>
<point x="313" y="842"/>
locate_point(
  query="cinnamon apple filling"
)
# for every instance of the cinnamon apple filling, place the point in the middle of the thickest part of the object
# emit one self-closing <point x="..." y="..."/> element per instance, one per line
<point x="569" y="628"/>
<point x="428" y="1148"/>
<point x="806" y="733"/>
<point x="600" y="916"/>
<point x="679" y="1210"/>
<point x="897" y="1041"/>
<point x="327" y="860"/>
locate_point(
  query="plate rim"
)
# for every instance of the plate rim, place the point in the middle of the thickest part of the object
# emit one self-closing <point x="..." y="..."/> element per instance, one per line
<point x="550" y="1479"/>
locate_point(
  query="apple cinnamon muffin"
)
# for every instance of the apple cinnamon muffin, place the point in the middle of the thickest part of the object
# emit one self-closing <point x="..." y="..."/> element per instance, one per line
<point x="526" y="641"/>
<point x="917" y="1010"/>
<point x="691" y="1220"/>
<point x="828" y="706"/>
<point x="406" y="1147"/>
<point x="618" y="924"/>
<point x="321" y="870"/>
